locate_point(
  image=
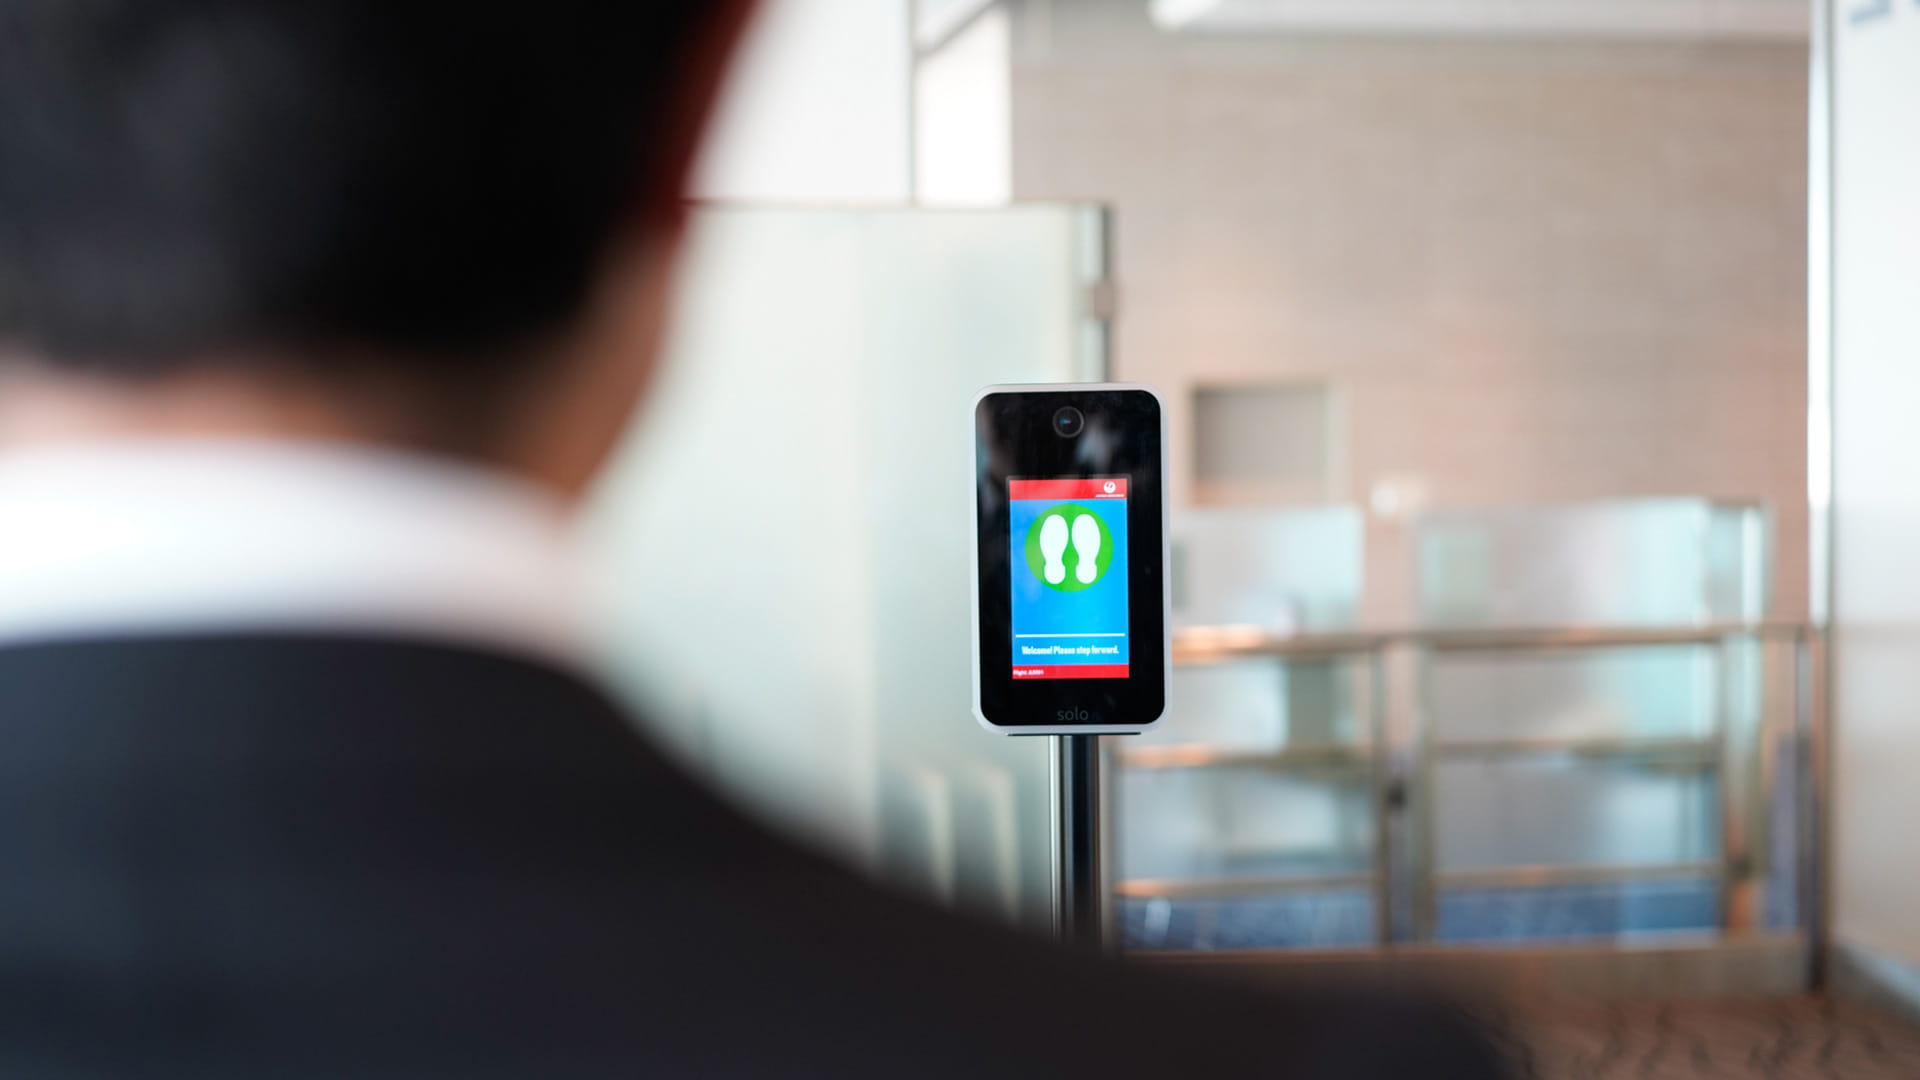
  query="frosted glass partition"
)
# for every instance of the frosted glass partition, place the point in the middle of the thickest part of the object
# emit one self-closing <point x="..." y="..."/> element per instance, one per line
<point x="1253" y="706"/>
<point x="1874" y="169"/>
<point x="1498" y="813"/>
<point x="1243" y="822"/>
<point x="1589" y="734"/>
<point x="1285" y="571"/>
<point x="783" y="548"/>
<point x="1282" y="570"/>
<point x="1613" y="761"/>
<point x="1658" y="691"/>
<point x="1642" y="562"/>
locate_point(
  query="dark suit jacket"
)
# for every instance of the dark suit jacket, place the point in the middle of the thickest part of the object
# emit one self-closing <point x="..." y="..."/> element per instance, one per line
<point x="260" y="856"/>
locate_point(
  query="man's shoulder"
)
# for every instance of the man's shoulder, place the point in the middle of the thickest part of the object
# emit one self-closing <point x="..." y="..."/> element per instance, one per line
<point x="485" y="843"/>
<point x="280" y="682"/>
<point x="275" y="656"/>
<point x="415" y="750"/>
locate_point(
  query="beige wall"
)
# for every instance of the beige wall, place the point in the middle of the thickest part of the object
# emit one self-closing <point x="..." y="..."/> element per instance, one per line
<point x="1537" y="270"/>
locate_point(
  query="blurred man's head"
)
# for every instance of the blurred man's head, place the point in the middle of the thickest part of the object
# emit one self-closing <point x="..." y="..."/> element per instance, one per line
<point x="443" y="222"/>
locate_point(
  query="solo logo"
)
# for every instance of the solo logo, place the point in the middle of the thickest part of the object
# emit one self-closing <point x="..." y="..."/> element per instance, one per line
<point x="1072" y="716"/>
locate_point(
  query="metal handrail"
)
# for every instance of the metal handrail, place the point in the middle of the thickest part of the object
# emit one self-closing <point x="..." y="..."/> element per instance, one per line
<point x="1725" y="751"/>
<point x="1489" y="877"/>
<point x="1261" y="885"/>
<point x="1339" y="756"/>
<point x="1210" y="644"/>
<point x="1319" y="756"/>
<point x="1690" y="750"/>
<point x="1507" y="877"/>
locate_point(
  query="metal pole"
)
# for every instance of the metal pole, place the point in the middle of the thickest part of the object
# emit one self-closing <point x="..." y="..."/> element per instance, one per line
<point x="1076" y="844"/>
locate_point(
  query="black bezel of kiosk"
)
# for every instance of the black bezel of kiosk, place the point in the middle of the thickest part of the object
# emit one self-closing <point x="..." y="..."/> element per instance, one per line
<point x="1065" y="441"/>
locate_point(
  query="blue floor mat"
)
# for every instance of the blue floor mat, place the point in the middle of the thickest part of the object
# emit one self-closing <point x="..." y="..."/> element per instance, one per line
<point x="1345" y="919"/>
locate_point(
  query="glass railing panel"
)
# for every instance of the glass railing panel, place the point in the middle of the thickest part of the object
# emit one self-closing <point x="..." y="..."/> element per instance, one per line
<point x="1257" y="856"/>
<point x="1234" y="825"/>
<point x="1563" y="810"/>
<point x="1570" y="913"/>
<point x="1643" y="562"/>
<point x="1657" y="691"/>
<point x="1282" y="570"/>
<point x="1261" y="703"/>
<point x="1338" y="918"/>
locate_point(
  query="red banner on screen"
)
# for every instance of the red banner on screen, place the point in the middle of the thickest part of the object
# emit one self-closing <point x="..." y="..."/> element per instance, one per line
<point x="1070" y="671"/>
<point x="1108" y="488"/>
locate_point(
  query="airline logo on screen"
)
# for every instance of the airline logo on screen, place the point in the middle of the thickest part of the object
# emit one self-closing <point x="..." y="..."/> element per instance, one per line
<point x="1069" y="578"/>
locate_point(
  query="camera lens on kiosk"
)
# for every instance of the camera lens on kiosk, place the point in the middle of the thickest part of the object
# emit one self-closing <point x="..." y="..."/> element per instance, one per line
<point x="1068" y="422"/>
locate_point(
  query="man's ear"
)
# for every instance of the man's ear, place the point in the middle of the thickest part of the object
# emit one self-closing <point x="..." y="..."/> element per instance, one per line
<point x="702" y="72"/>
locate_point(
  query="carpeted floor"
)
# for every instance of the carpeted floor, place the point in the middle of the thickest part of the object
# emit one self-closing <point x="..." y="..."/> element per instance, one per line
<point x="1773" y="1038"/>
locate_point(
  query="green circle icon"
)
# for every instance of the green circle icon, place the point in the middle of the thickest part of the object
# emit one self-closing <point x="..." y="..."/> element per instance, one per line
<point x="1069" y="548"/>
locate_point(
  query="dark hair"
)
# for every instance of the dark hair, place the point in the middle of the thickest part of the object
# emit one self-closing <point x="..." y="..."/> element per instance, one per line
<point x="430" y="181"/>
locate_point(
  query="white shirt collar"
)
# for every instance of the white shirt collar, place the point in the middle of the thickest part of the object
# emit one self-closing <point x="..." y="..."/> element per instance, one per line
<point x="166" y="537"/>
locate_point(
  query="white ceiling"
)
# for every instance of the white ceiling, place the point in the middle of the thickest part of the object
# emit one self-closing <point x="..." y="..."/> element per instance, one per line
<point x="1685" y="19"/>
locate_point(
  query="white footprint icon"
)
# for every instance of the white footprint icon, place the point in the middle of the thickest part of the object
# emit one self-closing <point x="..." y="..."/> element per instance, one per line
<point x="1086" y="544"/>
<point x="1053" y="545"/>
